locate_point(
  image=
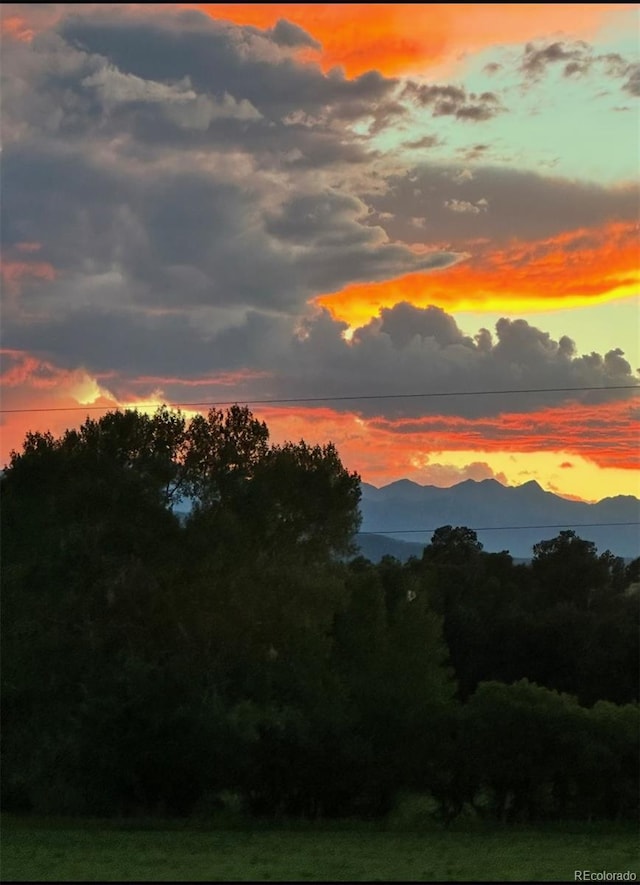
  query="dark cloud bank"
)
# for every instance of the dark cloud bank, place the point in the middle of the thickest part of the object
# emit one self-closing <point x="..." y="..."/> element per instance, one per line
<point x="193" y="186"/>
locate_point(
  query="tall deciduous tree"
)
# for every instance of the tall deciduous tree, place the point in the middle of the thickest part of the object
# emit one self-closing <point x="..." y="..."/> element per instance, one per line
<point x="567" y="569"/>
<point x="108" y="595"/>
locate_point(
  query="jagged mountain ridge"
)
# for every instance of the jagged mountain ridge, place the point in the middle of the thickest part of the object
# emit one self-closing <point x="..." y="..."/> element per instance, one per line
<point x="405" y="505"/>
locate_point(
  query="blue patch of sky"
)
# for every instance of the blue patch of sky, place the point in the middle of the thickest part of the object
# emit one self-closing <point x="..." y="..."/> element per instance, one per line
<point x="579" y="127"/>
<point x="598" y="327"/>
<point x="584" y="127"/>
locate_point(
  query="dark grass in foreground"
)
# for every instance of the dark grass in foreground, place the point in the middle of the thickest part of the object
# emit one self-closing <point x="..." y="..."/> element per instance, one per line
<point x="66" y="851"/>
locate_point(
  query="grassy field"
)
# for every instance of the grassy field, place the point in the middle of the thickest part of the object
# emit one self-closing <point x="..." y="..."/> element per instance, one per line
<point x="93" y="851"/>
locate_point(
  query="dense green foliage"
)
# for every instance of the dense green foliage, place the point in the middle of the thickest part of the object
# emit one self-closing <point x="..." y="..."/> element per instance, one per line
<point x="158" y="664"/>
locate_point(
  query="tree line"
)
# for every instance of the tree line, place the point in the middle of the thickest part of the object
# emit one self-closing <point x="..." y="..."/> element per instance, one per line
<point x="153" y="663"/>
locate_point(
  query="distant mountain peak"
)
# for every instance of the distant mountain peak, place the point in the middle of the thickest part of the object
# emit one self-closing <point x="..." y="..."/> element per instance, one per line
<point x="534" y="485"/>
<point x="505" y="517"/>
<point x="489" y="482"/>
<point x="403" y="484"/>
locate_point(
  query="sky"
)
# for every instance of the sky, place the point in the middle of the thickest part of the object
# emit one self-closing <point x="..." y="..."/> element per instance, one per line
<point x="417" y="221"/>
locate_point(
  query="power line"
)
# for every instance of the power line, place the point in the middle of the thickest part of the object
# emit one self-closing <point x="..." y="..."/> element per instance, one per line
<point x="321" y="399"/>
<point x="500" y="528"/>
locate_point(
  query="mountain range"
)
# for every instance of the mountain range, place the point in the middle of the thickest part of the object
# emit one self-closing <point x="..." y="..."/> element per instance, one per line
<point x="401" y="517"/>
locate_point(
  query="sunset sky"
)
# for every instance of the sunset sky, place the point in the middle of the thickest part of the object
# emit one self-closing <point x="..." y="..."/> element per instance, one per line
<point x="207" y="203"/>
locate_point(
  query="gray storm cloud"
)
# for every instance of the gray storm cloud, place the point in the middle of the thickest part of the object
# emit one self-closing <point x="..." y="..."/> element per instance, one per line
<point x="405" y="350"/>
<point x="164" y="153"/>
<point x="500" y="204"/>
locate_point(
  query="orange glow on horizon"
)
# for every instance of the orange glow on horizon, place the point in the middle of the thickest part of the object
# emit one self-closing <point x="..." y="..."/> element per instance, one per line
<point x="573" y="269"/>
<point x="601" y="441"/>
<point x="598" y="441"/>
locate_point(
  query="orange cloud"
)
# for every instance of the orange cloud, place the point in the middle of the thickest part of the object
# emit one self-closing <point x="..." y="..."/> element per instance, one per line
<point x="604" y="433"/>
<point x="604" y="436"/>
<point x="15" y="27"/>
<point x="30" y="383"/>
<point x="383" y="449"/>
<point x="602" y="441"/>
<point x="573" y="269"/>
<point x="13" y="272"/>
<point x="37" y="395"/>
<point x="407" y="38"/>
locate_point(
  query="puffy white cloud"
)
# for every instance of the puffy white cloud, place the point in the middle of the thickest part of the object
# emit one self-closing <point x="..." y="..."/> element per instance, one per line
<point x="115" y="88"/>
<point x="466" y="206"/>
